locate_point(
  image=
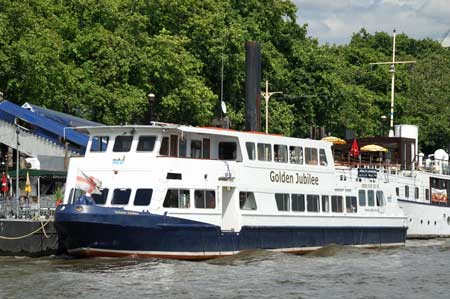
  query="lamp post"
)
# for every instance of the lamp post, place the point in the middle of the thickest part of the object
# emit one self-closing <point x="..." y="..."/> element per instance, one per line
<point x="267" y="96"/>
<point x="151" y="101"/>
<point x="17" y="171"/>
<point x="383" y="120"/>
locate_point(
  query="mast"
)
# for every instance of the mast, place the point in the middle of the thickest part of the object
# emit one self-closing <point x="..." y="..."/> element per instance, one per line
<point x="392" y="71"/>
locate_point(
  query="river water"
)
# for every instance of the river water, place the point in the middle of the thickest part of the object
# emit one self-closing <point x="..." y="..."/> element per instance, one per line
<point x="421" y="269"/>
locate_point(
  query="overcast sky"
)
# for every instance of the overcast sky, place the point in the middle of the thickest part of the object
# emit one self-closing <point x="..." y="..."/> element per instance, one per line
<point x="334" y="21"/>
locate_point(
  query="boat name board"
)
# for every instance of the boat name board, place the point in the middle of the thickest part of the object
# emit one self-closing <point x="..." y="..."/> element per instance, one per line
<point x="296" y="178"/>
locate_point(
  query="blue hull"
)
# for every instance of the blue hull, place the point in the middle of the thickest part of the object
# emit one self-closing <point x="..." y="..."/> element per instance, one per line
<point x="97" y="231"/>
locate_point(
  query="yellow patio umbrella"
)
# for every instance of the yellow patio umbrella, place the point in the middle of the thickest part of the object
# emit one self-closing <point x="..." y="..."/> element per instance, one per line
<point x="373" y="148"/>
<point x="28" y="184"/>
<point x="334" y="140"/>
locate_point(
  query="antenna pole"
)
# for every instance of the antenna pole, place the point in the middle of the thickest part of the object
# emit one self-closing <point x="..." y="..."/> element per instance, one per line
<point x="392" y="70"/>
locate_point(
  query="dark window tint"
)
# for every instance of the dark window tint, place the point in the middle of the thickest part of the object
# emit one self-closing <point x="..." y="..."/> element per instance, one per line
<point x="122" y="143"/>
<point x="196" y="149"/>
<point x="143" y="197"/>
<point x="397" y="191"/>
<point x="206" y="148"/>
<point x="406" y="191"/>
<point x="296" y="154"/>
<point x="121" y="196"/>
<point x="176" y="198"/>
<point x="250" y="150"/>
<point x="416" y="193"/>
<point x="282" y="200"/>
<point x="227" y="150"/>
<point x="280" y="153"/>
<point x="99" y="143"/>
<point x="380" y="198"/>
<point x="164" y="150"/>
<point x="427" y="194"/>
<point x="100" y="199"/>
<point x="173" y="145"/>
<point x="336" y="204"/>
<point x="298" y="202"/>
<point x="362" y="198"/>
<point x="182" y="148"/>
<point x="350" y="204"/>
<point x="247" y="201"/>
<point x="370" y="198"/>
<point x="205" y="199"/>
<point x="312" y="203"/>
<point x="323" y="157"/>
<point x="146" y="143"/>
<point x="325" y="203"/>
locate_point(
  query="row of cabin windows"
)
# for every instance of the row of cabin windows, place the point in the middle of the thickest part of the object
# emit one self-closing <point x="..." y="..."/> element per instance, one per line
<point x="181" y="199"/>
<point x="416" y="193"/>
<point x="170" y="146"/>
<point x="315" y="203"/>
<point x="121" y="196"/>
<point x="296" y="202"/>
<point x="281" y="154"/>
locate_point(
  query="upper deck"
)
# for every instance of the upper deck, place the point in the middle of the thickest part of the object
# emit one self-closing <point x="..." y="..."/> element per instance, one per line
<point x="133" y="142"/>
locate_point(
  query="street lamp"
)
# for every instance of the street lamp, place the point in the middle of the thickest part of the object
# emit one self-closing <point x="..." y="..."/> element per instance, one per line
<point x="267" y="96"/>
<point x="151" y="101"/>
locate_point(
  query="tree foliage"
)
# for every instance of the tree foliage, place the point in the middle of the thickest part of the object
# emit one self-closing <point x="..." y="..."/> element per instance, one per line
<point x="98" y="59"/>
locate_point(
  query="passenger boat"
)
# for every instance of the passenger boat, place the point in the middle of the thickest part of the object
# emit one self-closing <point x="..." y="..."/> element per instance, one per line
<point x="422" y="183"/>
<point x="183" y="192"/>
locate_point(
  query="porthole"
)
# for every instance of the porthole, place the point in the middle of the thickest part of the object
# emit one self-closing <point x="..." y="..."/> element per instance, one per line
<point x="410" y="219"/>
<point x="435" y="223"/>
<point x="421" y="221"/>
<point x="428" y="222"/>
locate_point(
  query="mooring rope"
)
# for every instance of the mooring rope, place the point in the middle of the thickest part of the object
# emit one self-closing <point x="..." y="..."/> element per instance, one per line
<point x="42" y="227"/>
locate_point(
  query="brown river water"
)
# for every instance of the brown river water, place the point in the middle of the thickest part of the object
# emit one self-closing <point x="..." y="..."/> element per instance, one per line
<point x="421" y="269"/>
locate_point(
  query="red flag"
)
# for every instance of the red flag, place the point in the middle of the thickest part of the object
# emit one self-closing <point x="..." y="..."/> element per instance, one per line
<point x="5" y="187"/>
<point x="354" y="151"/>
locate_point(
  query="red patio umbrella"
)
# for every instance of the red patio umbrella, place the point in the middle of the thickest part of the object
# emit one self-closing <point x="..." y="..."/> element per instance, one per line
<point x="5" y="187"/>
<point x="354" y="151"/>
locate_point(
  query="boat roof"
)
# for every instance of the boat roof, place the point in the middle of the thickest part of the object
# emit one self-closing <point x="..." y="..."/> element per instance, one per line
<point x="157" y="127"/>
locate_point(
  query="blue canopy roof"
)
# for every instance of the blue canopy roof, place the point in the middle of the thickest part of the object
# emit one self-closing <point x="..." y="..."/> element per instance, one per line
<point x="47" y="123"/>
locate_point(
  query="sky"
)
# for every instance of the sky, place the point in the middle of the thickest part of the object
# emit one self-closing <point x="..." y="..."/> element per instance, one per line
<point x="334" y="21"/>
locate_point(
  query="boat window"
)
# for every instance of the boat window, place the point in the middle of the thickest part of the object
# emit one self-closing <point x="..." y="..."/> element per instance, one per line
<point x="99" y="143"/>
<point x="75" y="194"/>
<point x="322" y="157"/>
<point x="143" y="197"/>
<point x="298" y="202"/>
<point x="311" y="156"/>
<point x="247" y="201"/>
<point x="312" y="203"/>
<point x="196" y="149"/>
<point x="397" y="191"/>
<point x="122" y="143"/>
<point x="362" y="198"/>
<point x="350" y="204"/>
<point x="380" y="198"/>
<point x="177" y="198"/>
<point x="182" y="150"/>
<point x="250" y="150"/>
<point x="173" y="145"/>
<point x="282" y="200"/>
<point x="264" y="152"/>
<point x="280" y="153"/>
<point x="121" y="196"/>
<point x="146" y="143"/>
<point x="227" y="150"/>
<point x="206" y="148"/>
<point x="427" y="195"/>
<point x="336" y="204"/>
<point x="296" y="155"/>
<point x="164" y="150"/>
<point x="370" y="198"/>
<point x="205" y="199"/>
<point x="325" y="203"/>
<point x="416" y="193"/>
<point x="100" y="199"/>
<point x="406" y="191"/>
